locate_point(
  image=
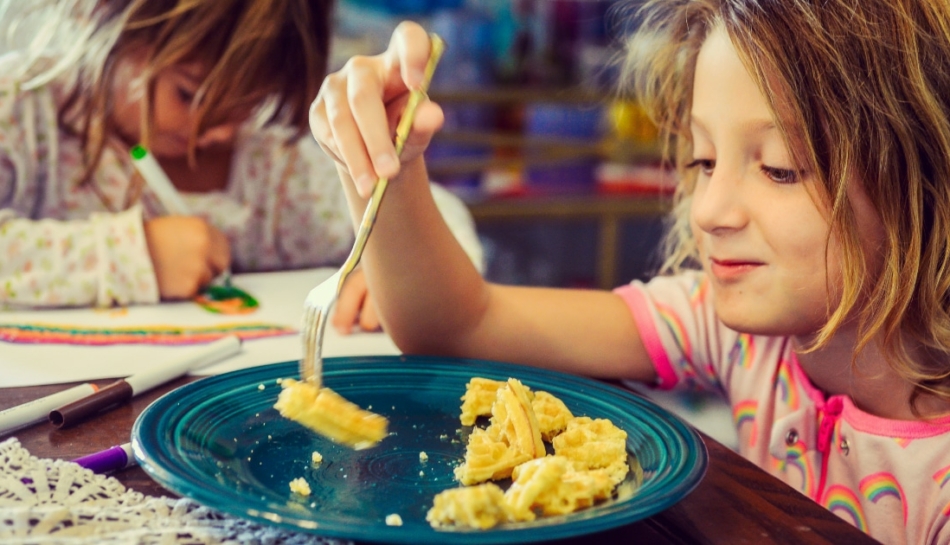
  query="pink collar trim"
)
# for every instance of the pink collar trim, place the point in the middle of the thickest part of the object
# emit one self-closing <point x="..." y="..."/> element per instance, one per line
<point x="866" y="422"/>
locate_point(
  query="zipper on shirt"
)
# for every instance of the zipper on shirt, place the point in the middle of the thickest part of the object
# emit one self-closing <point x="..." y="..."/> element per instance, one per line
<point x="829" y="415"/>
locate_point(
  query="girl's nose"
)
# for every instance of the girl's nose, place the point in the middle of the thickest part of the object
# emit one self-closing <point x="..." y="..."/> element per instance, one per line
<point x="220" y="134"/>
<point x="717" y="203"/>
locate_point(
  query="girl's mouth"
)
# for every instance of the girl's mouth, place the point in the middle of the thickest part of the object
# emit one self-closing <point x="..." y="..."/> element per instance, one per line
<point x="726" y="270"/>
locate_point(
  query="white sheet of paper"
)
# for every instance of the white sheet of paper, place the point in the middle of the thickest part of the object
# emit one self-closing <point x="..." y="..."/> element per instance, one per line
<point x="281" y="295"/>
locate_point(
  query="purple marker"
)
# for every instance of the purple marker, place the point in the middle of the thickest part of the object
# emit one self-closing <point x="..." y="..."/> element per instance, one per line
<point x="111" y="459"/>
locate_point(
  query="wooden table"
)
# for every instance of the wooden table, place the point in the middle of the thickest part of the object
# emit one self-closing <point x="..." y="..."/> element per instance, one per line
<point x="735" y="503"/>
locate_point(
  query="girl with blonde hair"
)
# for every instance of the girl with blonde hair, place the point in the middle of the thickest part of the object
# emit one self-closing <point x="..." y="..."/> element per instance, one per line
<point x="218" y="91"/>
<point x="808" y="277"/>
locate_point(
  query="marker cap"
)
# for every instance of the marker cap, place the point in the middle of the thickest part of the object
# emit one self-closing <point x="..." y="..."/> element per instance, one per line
<point x="77" y="411"/>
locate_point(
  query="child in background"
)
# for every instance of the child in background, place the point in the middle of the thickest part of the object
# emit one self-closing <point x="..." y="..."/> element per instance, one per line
<point x="218" y="90"/>
<point x="809" y="277"/>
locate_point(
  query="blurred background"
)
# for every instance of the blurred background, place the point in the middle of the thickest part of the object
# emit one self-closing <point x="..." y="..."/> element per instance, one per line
<point x="560" y="173"/>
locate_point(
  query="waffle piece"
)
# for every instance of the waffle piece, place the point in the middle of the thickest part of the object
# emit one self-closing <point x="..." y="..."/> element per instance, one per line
<point x="481" y="506"/>
<point x="514" y="422"/>
<point x="487" y="459"/>
<point x="534" y="479"/>
<point x="553" y="415"/>
<point x="513" y="437"/>
<point x="551" y="486"/>
<point x="577" y="490"/>
<point x="594" y="444"/>
<point x="479" y="396"/>
<point x="327" y="413"/>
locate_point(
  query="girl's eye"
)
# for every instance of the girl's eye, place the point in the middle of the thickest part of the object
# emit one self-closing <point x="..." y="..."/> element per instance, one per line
<point x="780" y="175"/>
<point x="706" y="166"/>
<point x="185" y="95"/>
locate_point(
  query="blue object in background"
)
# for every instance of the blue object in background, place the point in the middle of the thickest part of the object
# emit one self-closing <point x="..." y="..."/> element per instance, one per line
<point x="406" y="7"/>
<point x="582" y="122"/>
<point x="466" y="64"/>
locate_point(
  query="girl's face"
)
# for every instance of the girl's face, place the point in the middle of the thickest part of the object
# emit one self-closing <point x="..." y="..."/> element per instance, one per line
<point x="172" y="115"/>
<point x="762" y="238"/>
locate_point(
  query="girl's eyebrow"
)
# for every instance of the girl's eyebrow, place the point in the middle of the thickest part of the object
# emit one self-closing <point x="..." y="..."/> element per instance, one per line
<point x="695" y="124"/>
<point x="756" y="126"/>
<point x="191" y="73"/>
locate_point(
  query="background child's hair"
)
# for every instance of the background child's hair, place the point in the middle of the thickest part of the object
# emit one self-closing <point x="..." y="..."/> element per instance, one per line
<point x="863" y="89"/>
<point x="255" y="50"/>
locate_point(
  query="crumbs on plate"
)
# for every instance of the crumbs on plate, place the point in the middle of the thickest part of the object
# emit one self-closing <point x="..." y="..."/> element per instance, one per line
<point x="393" y="520"/>
<point x="300" y="486"/>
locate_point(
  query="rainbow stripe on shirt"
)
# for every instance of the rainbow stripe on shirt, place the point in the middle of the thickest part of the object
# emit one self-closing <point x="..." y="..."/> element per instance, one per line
<point x="880" y="485"/>
<point x="842" y="501"/>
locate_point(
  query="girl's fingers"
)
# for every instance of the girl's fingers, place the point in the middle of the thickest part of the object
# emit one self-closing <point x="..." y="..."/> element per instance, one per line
<point x="370" y="116"/>
<point x="429" y="119"/>
<point x="355" y="113"/>
<point x="345" y="138"/>
<point x="369" y="319"/>
<point x="407" y="54"/>
<point x="321" y="129"/>
<point x="219" y="258"/>
<point x="347" y="308"/>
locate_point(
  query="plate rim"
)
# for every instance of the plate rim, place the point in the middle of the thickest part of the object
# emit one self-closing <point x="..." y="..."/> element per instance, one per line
<point x="165" y="476"/>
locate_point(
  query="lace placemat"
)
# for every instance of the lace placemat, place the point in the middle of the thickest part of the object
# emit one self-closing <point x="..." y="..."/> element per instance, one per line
<point x="46" y="501"/>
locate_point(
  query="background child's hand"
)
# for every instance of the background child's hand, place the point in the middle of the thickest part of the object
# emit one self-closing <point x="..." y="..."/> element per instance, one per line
<point x="187" y="253"/>
<point x="355" y="114"/>
<point x="355" y="306"/>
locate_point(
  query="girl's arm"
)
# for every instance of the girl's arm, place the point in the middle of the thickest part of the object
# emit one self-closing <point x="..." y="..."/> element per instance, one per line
<point x="430" y="296"/>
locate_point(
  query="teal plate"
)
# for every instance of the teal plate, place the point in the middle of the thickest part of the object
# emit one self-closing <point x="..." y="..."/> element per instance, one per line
<point x="220" y="442"/>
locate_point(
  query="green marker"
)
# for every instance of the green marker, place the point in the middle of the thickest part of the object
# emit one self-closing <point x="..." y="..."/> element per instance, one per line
<point x="158" y="181"/>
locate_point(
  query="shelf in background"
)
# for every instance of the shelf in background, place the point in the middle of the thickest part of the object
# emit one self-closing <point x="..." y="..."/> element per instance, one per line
<point x="608" y="210"/>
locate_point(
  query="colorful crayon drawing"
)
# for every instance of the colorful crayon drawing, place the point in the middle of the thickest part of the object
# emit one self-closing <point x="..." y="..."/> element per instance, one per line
<point x="151" y="334"/>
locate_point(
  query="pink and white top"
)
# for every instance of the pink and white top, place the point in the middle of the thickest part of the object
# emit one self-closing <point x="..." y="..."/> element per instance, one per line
<point x="65" y="244"/>
<point x="890" y="478"/>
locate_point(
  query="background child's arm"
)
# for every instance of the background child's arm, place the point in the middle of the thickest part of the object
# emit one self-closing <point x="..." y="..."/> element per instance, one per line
<point x="101" y="261"/>
<point x="430" y="297"/>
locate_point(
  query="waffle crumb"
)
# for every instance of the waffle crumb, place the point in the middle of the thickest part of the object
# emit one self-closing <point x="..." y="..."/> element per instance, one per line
<point x="393" y="520"/>
<point x="300" y="486"/>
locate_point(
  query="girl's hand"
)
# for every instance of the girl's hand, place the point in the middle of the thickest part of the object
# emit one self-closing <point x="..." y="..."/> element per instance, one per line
<point x="355" y="306"/>
<point x="355" y="113"/>
<point x="187" y="253"/>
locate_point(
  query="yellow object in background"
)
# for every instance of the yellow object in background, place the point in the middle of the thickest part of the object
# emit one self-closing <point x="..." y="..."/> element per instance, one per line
<point x="628" y="121"/>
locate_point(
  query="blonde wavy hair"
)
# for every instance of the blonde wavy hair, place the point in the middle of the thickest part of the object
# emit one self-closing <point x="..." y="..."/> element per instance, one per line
<point x="865" y="88"/>
<point x="266" y="54"/>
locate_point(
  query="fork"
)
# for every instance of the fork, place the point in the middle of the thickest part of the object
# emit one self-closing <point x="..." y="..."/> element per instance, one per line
<point x="321" y="299"/>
